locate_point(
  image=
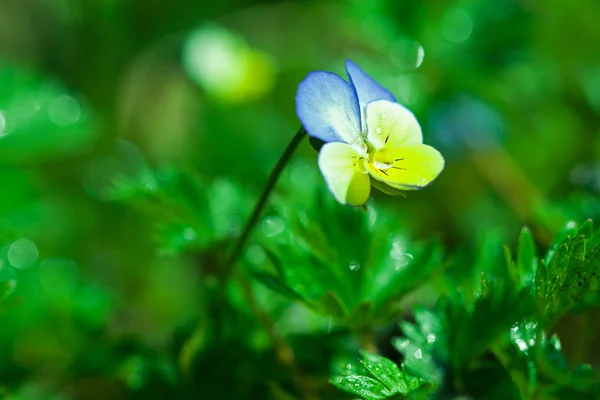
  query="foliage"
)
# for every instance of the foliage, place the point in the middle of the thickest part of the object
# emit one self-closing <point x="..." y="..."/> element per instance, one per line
<point x="499" y="346"/>
<point x="136" y="137"/>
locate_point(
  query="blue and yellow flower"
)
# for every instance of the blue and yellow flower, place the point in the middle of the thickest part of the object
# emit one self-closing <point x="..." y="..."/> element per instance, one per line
<point x="370" y="138"/>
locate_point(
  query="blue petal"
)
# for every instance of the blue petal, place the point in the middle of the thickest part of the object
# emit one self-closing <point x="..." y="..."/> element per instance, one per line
<point x="328" y="108"/>
<point x="366" y="88"/>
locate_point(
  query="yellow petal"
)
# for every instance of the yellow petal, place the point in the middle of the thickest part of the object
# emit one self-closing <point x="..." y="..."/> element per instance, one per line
<point x="390" y="124"/>
<point x="387" y="189"/>
<point x="409" y="167"/>
<point x="345" y="174"/>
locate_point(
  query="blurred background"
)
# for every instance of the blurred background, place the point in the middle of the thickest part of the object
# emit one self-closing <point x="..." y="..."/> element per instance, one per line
<point x="136" y="135"/>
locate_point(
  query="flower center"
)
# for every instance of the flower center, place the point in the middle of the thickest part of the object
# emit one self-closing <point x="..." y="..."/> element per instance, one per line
<point x="383" y="159"/>
<point x="360" y="146"/>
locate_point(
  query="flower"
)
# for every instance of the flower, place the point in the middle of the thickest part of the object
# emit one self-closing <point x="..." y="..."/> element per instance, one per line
<point x="370" y="138"/>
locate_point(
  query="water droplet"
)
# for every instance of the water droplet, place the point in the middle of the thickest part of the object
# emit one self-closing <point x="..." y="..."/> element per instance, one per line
<point x="22" y="254"/>
<point x="383" y="116"/>
<point x="419" y="354"/>
<point x="372" y="216"/>
<point x="64" y="110"/>
<point x="383" y="159"/>
<point x="378" y="130"/>
<point x="329" y="324"/>
<point x="557" y="344"/>
<point x="189" y="233"/>
<point x="457" y="26"/>
<point x="256" y="255"/>
<point x="272" y="226"/>
<point x="431" y="338"/>
<point x="360" y="146"/>
<point x="571" y="225"/>
<point x="407" y="54"/>
<point x="531" y="325"/>
<point x="402" y="343"/>
<point x="521" y="343"/>
<point x="2" y="124"/>
<point x="354" y="265"/>
<point x="398" y="249"/>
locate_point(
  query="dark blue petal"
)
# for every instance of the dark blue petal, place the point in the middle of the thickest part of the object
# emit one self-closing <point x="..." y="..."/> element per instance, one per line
<point x="328" y="108"/>
<point x="366" y="88"/>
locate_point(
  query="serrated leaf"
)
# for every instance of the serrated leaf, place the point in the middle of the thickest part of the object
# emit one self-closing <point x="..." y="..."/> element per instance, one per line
<point x="387" y="380"/>
<point x="418" y="361"/>
<point x="586" y="228"/>
<point x="569" y="274"/>
<point x="386" y="371"/>
<point x="368" y="388"/>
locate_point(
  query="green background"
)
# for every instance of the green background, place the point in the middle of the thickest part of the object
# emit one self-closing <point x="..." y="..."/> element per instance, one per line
<point x="136" y="135"/>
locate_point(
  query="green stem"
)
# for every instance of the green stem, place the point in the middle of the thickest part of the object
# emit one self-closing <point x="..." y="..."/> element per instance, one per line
<point x="283" y="350"/>
<point x="258" y="208"/>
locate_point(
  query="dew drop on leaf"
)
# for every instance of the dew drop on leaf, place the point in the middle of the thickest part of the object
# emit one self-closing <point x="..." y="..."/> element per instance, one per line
<point x="272" y="226"/>
<point x="354" y="265"/>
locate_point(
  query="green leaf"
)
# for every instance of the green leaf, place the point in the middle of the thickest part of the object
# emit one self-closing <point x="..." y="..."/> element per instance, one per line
<point x="569" y="274"/>
<point x="387" y="379"/>
<point x="512" y="266"/>
<point x="447" y="340"/>
<point x="389" y="373"/>
<point x="273" y="283"/>
<point x="526" y="258"/>
<point x="333" y="305"/>
<point x="367" y="388"/>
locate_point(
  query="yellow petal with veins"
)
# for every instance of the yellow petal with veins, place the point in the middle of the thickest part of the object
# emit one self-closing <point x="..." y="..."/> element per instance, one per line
<point x="409" y="167"/>
<point x="345" y="174"/>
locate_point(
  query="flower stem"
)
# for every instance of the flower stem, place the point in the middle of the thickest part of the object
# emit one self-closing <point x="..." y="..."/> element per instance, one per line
<point x="258" y="208"/>
<point x="283" y="350"/>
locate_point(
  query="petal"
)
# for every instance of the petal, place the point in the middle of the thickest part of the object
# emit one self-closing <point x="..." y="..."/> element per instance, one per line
<point x="391" y="125"/>
<point x="340" y="165"/>
<point x="328" y="108"/>
<point x="409" y="167"/>
<point x="366" y="88"/>
<point x="385" y="188"/>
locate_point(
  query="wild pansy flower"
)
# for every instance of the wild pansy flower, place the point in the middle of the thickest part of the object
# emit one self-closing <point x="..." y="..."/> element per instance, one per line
<point x="370" y="138"/>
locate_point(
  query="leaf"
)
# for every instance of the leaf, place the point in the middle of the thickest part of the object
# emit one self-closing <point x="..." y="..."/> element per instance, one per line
<point x="368" y="388"/>
<point x="333" y="305"/>
<point x="389" y="373"/>
<point x="444" y="342"/>
<point x="569" y="273"/>
<point x="526" y="258"/>
<point x="387" y="379"/>
<point x="513" y="271"/>
<point x="273" y="283"/>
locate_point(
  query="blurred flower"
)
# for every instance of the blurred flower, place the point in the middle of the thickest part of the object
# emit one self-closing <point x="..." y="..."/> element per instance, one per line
<point x="371" y="139"/>
<point x="224" y="65"/>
